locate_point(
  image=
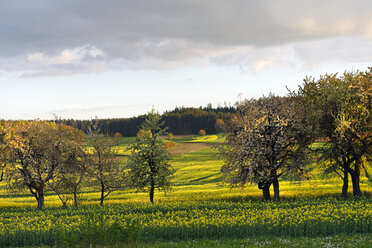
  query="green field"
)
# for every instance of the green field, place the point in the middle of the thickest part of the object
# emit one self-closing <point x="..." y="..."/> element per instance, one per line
<point x="199" y="211"/>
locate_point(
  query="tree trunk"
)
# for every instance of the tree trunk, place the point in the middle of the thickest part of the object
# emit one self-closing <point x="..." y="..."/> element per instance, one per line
<point x="276" y="189"/>
<point x="266" y="192"/>
<point x="40" y="199"/>
<point x="152" y="182"/>
<point x="40" y="203"/>
<point x="346" y="183"/>
<point x="76" y="199"/>
<point x="102" y="194"/>
<point x="275" y="184"/>
<point x="355" y="178"/>
<point x="152" y="189"/>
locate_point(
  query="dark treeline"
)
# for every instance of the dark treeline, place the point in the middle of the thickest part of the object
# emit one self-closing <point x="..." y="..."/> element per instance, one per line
<point x="181" y="120"/>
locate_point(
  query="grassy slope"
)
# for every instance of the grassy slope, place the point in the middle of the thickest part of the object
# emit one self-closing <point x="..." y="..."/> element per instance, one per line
<point x="197" y="177"/>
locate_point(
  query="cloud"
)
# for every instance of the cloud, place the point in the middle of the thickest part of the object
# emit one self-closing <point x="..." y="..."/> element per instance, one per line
<point x="66" y="56"/>
<point x="257" y="59"/>
<point x="340" y="50"/>
<point x="121" y="111"/>
<point x="68" y="61"/>
<point x="63" y="37"/>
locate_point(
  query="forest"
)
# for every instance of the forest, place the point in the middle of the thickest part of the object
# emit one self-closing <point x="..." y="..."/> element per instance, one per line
<point x="182" y="120"/>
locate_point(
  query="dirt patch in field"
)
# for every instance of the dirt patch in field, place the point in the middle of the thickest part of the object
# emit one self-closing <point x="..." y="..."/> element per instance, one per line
<point x="184" y="148"/>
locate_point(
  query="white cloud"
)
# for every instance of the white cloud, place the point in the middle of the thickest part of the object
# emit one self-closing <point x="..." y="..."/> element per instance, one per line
<point x="67" y="56"/>
<point x="41" y="59"/>
<point x="85" y="59"/>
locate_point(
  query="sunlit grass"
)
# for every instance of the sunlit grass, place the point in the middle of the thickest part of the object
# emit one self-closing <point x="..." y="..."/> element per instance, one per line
<point x="206" y="138"/>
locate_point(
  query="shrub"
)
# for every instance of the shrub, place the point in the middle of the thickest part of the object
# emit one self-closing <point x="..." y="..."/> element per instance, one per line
<point x="117" y="136"/>
<point x="169" y="144"/>
<point x="202" y="132"/>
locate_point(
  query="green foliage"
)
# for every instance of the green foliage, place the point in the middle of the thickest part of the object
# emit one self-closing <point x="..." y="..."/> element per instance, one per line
<point x="148" y="161"/>
<point x="144" y="134"/>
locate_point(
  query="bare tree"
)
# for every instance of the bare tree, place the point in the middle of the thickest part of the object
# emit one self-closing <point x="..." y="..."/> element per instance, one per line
<point x="104" y="165"/>
<point x="68" y="182"/>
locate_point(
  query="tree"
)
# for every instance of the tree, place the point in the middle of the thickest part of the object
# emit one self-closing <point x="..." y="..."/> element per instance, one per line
<point x="68" y="182"/>
<point x="104" y="165"/>
<point x="148" y="161"/>
<point x="38" y="151"/>
<point x="267" y="139"/>
<point x="117" y="137"/>
<point x="341" y="109"/>
<point x="219" y="125"/>
<point x="3" y="150"/>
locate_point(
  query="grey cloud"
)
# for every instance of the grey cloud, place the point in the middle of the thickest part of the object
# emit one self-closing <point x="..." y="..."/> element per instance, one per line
<point x="335" y="50"/>
<point x="158" y="33"/>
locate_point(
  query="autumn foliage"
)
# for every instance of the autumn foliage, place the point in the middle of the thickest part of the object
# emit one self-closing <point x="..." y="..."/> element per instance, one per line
<point x="202" y="132"/>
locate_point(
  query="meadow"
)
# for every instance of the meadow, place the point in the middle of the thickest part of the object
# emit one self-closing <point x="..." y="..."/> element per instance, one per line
<point x="199" y="211"/>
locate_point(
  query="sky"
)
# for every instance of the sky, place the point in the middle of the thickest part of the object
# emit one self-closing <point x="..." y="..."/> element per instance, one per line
<point x="83" y="59"/>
